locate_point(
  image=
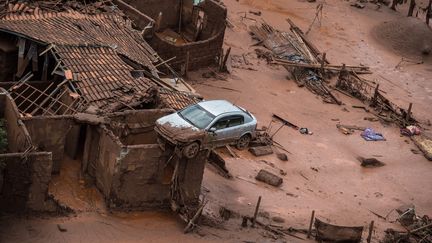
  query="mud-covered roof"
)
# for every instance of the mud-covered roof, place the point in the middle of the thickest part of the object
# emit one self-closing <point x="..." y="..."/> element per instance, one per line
<point x="73" y="28"/>
<point x="176" y="100"/>
<point x="101" y="76"/>
<point x="92" y="50"/>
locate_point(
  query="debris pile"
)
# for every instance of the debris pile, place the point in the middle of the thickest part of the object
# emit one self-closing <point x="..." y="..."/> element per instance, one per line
<point x="364" y="91"/>
<point x="290" y="48"/>
<point x="301" y="58"/>
<point x="419" y="229"/>
<point x="11" y="8"/>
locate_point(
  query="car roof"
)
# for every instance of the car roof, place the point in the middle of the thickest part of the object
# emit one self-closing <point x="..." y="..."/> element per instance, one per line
<point x="217" y="107"/>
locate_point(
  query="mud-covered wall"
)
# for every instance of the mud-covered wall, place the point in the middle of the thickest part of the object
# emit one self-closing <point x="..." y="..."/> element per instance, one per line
<point x="139" y="182"/>
<point x="17" y="135"/>
<point x="107" y="160"/>
<point x="191" y="172"/>
<point x="170" y="10"/>
<point x="137" y="127"/>
<point x="129" y="176"/>
<point x="202" y="53"/>
<point x="49" y="134"/>
<point x="25" y="182"/>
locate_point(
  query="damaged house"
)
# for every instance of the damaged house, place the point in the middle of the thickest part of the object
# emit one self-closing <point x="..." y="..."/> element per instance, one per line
<point x="87" y="87"/>
<point x="189" y="33"/>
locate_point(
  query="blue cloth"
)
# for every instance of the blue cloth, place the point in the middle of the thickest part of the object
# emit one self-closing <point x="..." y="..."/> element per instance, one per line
<point x="370" y="135"/>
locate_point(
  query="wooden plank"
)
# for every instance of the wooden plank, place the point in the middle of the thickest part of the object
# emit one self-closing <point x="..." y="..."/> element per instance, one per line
<point x="261" y="150"/>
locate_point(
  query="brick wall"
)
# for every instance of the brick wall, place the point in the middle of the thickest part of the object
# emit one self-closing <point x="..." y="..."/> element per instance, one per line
<point x="201" y="54"/>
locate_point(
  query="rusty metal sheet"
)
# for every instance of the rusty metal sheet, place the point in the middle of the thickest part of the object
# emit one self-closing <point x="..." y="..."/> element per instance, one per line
<point x="334" y="233"/>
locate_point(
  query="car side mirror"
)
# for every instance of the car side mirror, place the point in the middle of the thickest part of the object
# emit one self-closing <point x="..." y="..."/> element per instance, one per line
<point x="212" y="129"/>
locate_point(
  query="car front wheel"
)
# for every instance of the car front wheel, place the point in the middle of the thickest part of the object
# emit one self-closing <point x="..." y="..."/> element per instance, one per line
<point x="243" y="142"/>
<point x="191" y="150"/>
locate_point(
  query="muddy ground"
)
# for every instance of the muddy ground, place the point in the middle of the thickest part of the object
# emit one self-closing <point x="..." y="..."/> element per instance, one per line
<point x="322" y="173"/>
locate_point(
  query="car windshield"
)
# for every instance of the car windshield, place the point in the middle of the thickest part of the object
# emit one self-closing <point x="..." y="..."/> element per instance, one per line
<point x="197" y="116"/>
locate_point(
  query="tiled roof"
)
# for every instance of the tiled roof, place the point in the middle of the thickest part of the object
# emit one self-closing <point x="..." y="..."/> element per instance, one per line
<point x="176" y="100"/>
<point x="101" y="76"/>
<point x="73" y="28"/>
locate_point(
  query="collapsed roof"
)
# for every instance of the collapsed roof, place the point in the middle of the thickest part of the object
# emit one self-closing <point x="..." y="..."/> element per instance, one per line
<point x="95" y="55"/>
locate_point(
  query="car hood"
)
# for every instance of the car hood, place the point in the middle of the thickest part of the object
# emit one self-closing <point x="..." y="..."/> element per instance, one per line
<point x="178" y="129"/>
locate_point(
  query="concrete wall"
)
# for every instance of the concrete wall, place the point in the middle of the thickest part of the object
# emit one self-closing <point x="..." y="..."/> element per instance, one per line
<point x="25" y="182"/>
<point x="170" y="10"/>
<point x="49" y="134"/>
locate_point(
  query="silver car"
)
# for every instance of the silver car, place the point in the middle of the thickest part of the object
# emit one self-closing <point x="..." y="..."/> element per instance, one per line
<point x="207" y="125"/>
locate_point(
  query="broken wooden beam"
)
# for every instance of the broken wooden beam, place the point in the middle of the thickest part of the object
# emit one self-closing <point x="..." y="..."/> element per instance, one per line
<point x="261" y="150"/>
<point x="256" y="211"/>
<point x="269" y="178"/>
<point x="356" y="69"/>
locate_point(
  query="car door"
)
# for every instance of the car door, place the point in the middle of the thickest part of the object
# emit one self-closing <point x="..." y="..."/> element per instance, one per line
<point x="218" y="137"/>
<point x="234" y="128"/>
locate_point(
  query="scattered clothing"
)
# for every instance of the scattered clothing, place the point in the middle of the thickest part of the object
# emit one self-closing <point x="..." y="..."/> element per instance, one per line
<point x="410" y="131"/>
<point x="370" y="135"/>
<point x="305" y="131"/>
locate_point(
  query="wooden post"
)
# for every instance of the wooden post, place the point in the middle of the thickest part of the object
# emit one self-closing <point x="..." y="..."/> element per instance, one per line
<point x="408" y="114"/>
<point x="180" y="17"/>
<point x="256" y="211"/>
<point x="187" y="64"/>
<point x="311" y="224"/>
<point x="323" y="63"/>
<point x="429" y="12"/>
<point x="371" y="226"/>
<point x="374" y="99"/>
<point x="223" y="65"/>
<point x="45" y="67"/>
<point x="158" y="22"/>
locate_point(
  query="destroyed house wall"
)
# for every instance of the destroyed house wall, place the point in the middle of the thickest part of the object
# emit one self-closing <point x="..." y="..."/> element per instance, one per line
<point x="202" y="53"/>
<point x="170" y="10"/>
<point x="18" y="138"/>
<point x="136" y="127"/>
<point x="129" y="176"/>
<point x="191" y="172"/>
<point x="140" y="20"/>
<point x="48" y="133"/>
<point x="137" y="176"/>
<point x="139" y="182"/>
<point x="25" y="180"/>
